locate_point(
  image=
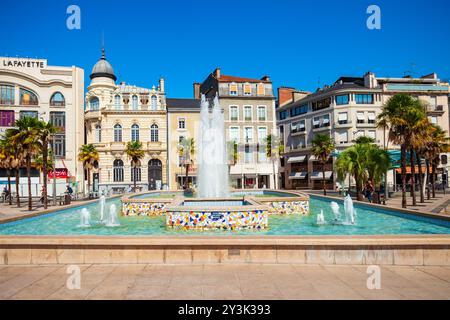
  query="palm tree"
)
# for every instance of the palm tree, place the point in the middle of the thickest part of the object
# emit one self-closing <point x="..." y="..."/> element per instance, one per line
<point x="398" y="111"/>
<point x="322" y="147"/>
<point x="274" y="149"/>
<point x="27" y="137"/>
<point x="45" y="131"/>
<point x="378" y="163"/>
<point x="7" y="161"/>
<point x="135" y="153"/>
<point x="88" y="154"/>
<point x="186" y="150"/>
<point x="14" y="148"/>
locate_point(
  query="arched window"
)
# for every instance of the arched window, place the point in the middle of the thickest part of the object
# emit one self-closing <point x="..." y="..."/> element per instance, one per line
<point x="136" y="171"/>
<point x="134" y="102"/>
<point x="94" y="104"/>
<point x="57" y="100"/>
<point x="154" y="133"/>
<point x="28" y="98"/>
<point x="117" y="104"/>
<point x="117" y="133"/>
<point x="118" y="170"/>
<point x="134" y="132"/>
<point x="154" y="103"/>
<point x="98" y="133"/>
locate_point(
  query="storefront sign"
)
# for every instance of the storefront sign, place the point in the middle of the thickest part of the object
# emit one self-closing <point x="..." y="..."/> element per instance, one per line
<point x="59" y="174"/>
<point x="23" y="63"/>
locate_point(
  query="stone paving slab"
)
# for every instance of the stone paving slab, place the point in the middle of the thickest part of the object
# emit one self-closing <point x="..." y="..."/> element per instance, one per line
<point x="239" y="282"/>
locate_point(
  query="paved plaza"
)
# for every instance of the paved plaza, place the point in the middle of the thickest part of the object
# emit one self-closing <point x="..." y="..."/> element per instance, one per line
<point x="223" y="282"/>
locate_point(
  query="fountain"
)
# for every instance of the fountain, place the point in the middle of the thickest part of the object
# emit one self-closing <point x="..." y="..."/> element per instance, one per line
<point x="112" y="219"/>
<point x="321" y="218"/>
<point x="85" y="218"/>
<point x="212" y="158"/>
<point x="335" y="208"/>
<point x="349" y="210"/>
<point x="102" y="208"/>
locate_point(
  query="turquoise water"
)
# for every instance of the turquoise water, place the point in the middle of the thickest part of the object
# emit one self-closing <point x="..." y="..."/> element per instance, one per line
<point x="369" y="222"/>
<point x="258" y="194"/>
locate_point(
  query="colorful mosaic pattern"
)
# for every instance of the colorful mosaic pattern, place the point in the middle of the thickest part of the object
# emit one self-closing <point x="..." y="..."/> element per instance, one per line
<point x="143" y="209"/>
<point x="288" y="207"/>
<point x="231" y="220"/>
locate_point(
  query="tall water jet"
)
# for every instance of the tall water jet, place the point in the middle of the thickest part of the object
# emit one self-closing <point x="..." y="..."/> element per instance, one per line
<point x="212" y="155"/>
<point x="112" y="219"/>
<point x="335" y="208"/>
<point x="349" y="210"/>
<point x="85" y="218"/>
<point x="321" y="218"/>
<point x="102" y="208"/>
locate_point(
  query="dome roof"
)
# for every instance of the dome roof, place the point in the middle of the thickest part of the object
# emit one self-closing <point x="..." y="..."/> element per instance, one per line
<point x="103" y="69"/>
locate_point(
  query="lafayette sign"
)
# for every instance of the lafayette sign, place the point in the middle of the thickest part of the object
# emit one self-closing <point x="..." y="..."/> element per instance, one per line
<point x="23" y="63"/>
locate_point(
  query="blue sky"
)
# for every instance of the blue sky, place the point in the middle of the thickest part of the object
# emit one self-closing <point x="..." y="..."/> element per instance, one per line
<point x="297" y="43"/>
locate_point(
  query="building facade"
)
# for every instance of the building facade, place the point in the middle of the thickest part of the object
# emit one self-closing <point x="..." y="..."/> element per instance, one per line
<point x="346" y="110"/>
<point x="116" y="114"/>
<point x="183" y="122"/>
<point x="31" y="87"/>
<point x="249" y="112"/>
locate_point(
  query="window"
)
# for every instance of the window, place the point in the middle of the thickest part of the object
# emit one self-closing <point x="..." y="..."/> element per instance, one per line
<point x="94" y="104"/>
<point x="262" y="153"/>
<point x="234" y="113"/>
<point x="134" y="102"/>
<point x="180" y="139"/>
<point x="6" y="118"/>
<point x="118" y="170"/>
<point x="98" y="133"/>
<point x="364" y="98"/>
<point x="233" y="89"/>
<point x="360" y="117"/>
<point x="134" y="132"/>
<point x="283" y="115"/>
<point x="6" y="94"/>
<point x="181" y="123"/>
<point x="234" y="134"/>
<point x="261" y="89"/>
<point x="359" y="133"/>
<point x="321" y="104"/>
<point x="154" y="103"/>
<point x="117" y="102"/>
<point x="343" y="137"/>
<point x="28" y="98"/>
<point x="316" y="122"/>
<point x="372" y="134"/>
<point x="154" y="133"/>
<point x="136" y="171"/>
<point x="248" y="134"/>
<point x="371" y="117"/>
<point x="262" y="135"/>
<point x="31" y="114"/>
<point x="57" y="100"/>
<point x="342" y="118"/>
<point x="342" y="100"/>
<point x="262" y="113"/>
<point x="247" y="113"/>
<point x="433" y="120"/>
<point x="326" y="120"/>
<point x="117" y="133"/>
<point x="299" y="110"/>
<point x="248" y="154"/>
<point x="58" y="120"/>
<point x="247" y="89"/>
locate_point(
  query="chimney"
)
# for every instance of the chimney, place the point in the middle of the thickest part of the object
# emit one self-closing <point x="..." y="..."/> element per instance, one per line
<point x="265" y="78"/>
<point x="197" y="90"/>
<point x="285" y="95"/>
<point x="161" y="84"/>
<point x="217" y="73"/>
<point x="370" y="81"/>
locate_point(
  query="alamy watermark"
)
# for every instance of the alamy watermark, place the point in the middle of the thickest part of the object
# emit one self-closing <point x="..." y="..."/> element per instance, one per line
<point x="374" y="20"/>
<point x="74" y="280"/>
<point x="73" y="21"/>
<point x="374" y="280"/>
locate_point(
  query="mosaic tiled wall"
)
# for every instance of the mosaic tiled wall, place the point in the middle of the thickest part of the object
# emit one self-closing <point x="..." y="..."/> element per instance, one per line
<point x="143" y="209"/>
<point x="288" y="207"/>
<point x="231" y="220"/>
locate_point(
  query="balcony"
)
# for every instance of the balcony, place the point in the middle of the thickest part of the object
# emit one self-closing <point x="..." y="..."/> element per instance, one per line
<point x="298" y="132"/>
<point x="343" y="124"/>
<point x="366" y="124"/>
<point x="92" y="115"/>
<point x="435" y="110"/>
<point x="321" y="127"/>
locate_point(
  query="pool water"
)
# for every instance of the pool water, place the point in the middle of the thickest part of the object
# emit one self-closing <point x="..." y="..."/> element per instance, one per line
<point x="235" y="194"/>
<point x="369" y="222"/>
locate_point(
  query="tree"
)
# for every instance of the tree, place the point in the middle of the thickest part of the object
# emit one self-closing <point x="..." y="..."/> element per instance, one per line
<point x="322" y="147"/>
<point x="274" y="149"/>
<point x="186" y="150"/>
<point x="135" y="153"/>
<point x="45" y="131"/>
<point x="88" y="154"/>
<point x="27" y="137"/>
<point x="15" y="150"/>
<point x="6" y="162"/>
<point x="401" y="112"/>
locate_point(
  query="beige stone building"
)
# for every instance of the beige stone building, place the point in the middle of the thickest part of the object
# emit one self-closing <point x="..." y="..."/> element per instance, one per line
<point x="346" y="110"/>
<point x="118" y="113"/>
<point x="249" y="111"/>
<point x="183" y="120"/>
<point x="31" y="87"/>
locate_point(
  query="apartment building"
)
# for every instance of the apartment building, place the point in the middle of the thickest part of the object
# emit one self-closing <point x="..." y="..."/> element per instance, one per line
<point x="249" y="111"/>
<point x="346" y="110"/>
